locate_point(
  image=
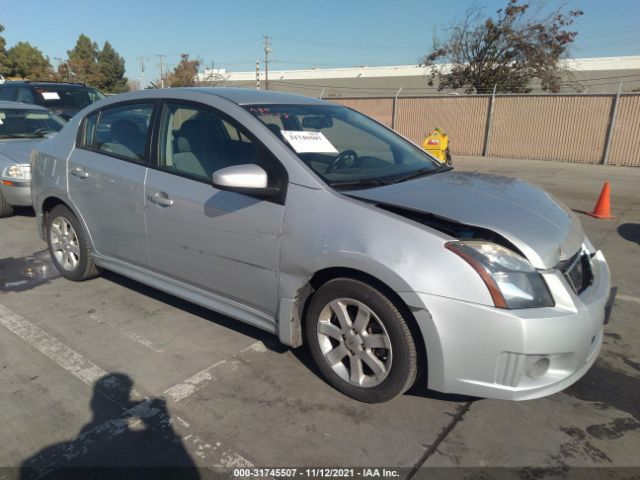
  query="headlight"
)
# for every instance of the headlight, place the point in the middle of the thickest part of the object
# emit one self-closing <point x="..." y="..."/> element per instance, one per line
<point x="511" y="279"/>
<point x="19" y="172"/>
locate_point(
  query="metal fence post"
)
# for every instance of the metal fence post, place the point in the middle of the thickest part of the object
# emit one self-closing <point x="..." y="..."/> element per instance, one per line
<point x="394" y="109"/>
<point x="487" y="132"/>
<point x="612" y="124"/>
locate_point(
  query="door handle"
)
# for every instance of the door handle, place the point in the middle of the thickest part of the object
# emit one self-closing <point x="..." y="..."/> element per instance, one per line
<point x="161" y="198"/>
<point x="79" y="172"/>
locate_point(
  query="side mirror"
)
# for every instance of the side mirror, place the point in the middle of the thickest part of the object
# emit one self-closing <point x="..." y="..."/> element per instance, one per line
<point x="250" y="179"/>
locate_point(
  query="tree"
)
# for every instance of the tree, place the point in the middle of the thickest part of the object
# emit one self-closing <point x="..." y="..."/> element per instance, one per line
<point x="83" y="61"/>
<point x="28" y="62"/>
<point x="111" y="77"/>
<point x="4" y="59"/>
<point x="184" y="75"/>
<point x="508" y="51"/>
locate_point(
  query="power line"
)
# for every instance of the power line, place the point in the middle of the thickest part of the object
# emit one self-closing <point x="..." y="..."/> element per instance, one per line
<point x="347" y="45"/>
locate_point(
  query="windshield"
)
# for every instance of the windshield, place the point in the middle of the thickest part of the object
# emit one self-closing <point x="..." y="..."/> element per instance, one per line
<point x="59" y="96"/>
<point x="344" y="147"/>
<point x="15" y="123"/>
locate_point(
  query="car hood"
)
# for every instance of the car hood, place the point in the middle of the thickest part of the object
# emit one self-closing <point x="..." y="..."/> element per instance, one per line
<point x="541" y="227"/>
<point x="18" y="150"/>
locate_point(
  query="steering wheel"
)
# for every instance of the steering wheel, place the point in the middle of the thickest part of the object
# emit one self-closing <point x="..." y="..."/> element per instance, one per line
<point x="340" y="159"/>
<point x="43" y="131"/>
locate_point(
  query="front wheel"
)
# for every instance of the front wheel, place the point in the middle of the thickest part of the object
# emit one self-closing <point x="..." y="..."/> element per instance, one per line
<point x="68" y="245"/>
<point x="360" y="341"/>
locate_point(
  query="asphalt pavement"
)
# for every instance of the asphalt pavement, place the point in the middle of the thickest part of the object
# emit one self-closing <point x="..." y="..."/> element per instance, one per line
<point x="110" y="372"/>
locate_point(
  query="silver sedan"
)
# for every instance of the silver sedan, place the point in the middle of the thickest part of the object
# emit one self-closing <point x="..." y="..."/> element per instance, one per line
<point x="21" y="128"/>
<point x="317" y="224"/>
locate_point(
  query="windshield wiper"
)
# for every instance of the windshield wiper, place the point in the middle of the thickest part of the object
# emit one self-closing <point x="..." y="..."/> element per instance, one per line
<point x="423" y="172"/>
<point x="363" y="182"/>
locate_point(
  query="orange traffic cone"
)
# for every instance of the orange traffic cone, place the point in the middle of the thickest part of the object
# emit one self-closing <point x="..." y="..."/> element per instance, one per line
<point x="603" y="206"/>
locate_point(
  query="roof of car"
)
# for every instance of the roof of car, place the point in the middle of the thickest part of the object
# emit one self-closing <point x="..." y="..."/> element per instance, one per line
<point x="248" y="96"/>
<point x="7" y="105"/>
<point x="40" y="83"/>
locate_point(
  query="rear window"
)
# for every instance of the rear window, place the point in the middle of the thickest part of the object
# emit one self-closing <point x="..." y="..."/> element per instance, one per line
<point x="60" y="96"/>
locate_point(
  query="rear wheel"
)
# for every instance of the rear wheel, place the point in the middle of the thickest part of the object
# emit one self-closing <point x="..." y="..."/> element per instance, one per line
<point x="360" y="341"/>
<point x="6" y="209"/>
<point x="68" y="245"/>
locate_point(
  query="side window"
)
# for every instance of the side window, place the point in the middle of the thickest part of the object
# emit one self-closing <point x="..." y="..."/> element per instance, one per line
<point x="7" y="93"/>
<point x="122" y="131"/>
<point x="25" y="95"/>
<point x="87" y="131"/>
<point x="196" y="142"/>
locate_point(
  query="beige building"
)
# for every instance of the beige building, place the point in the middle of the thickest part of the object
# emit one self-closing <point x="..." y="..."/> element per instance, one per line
<point x="593" y="75"/>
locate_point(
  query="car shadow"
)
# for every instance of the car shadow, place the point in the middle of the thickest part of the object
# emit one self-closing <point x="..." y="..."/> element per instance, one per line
<point x="418" y="389"/>
<point x="269" y="340"/>
<point x="630" y="231"/>
<point x="25" y="212"/>
<point x="124" y="439"/>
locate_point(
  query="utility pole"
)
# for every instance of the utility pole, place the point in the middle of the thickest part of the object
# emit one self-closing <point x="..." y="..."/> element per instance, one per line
<point x="161" y="66"/>
<point x="141" y="72"/>
<point x="257" y="74"/>
<point x="267" y="51"/>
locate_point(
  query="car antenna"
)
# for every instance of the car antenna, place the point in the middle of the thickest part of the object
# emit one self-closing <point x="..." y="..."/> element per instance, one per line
<point x="153" y="85"/>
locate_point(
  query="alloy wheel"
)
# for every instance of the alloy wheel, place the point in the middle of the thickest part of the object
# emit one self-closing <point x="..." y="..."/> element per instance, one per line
<point x="64" y="243"/>
<point x="354" y="342"/>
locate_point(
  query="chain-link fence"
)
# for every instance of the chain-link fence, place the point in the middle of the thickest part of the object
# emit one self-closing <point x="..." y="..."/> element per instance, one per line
<point x="580" y="128"/>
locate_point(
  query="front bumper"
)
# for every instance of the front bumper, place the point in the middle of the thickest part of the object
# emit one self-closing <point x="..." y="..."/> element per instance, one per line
<point x="490" y="352"/>
<point x="18" y="194"/>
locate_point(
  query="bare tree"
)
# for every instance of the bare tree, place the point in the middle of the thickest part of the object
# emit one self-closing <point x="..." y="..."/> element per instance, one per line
<point x="212" y="77"/>
<point x="508" y="51"/>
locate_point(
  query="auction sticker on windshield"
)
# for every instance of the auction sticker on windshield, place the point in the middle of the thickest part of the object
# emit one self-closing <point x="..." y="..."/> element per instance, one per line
<point x="308" y="142"/>
<point x="50" y="95"/>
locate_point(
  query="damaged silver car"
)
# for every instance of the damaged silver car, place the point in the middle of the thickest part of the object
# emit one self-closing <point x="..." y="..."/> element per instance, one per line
<point x="320" y="225"/>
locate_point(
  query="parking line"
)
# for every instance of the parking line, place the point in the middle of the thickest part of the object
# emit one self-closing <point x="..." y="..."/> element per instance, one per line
<point x="83" y="369"/>
<point x="628" y="298"/>
<point x="126" y="333"/>
<point x="89" y="373"/>
<point x="196" y="382"/>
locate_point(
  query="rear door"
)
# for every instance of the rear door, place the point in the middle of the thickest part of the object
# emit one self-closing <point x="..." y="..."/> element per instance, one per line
<point x="106" y="173"/>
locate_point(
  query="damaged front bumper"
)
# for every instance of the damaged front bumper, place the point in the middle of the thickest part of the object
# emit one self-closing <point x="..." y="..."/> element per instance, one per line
<point x="484" y="351"/>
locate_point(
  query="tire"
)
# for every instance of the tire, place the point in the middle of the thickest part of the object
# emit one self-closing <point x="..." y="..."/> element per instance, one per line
<point x="6" y="209"/>
<point x="68" y="245"/>
<point x="358" y="360"/>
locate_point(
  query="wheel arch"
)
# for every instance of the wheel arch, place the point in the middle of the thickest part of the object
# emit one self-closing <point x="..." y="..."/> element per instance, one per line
<point x="292" y="323"/>
<point x="52" y="201"/>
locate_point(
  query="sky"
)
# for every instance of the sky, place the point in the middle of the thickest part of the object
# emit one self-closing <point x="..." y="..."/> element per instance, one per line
<point x="320" y="33"/>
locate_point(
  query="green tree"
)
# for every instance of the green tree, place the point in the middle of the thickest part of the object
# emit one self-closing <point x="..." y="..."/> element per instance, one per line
<point x="4" y="59"/>
<point x="28" y="62"/>
<point x="83" y="61"/>
<point x="111" y="70"/>
<point x="184" y="75"/>
<point x="508" y="51"/>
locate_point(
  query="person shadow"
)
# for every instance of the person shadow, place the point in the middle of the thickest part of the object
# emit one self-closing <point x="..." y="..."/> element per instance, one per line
<point x="125" y="439"/>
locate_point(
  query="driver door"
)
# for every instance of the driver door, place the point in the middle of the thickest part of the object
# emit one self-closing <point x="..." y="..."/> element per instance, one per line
<point x="224" y="242"/>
